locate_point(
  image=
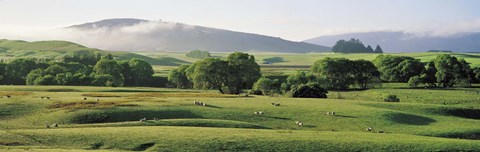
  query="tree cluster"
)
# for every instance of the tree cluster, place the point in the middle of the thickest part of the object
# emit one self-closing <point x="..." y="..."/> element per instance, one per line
<point x="398" y="68"/>
<point x="83" y="68"/>
<point x="199" y="54"/>
<point x="230" y="75"/>
<point x="446" y="71"/>
<point x="342" y="73"/>
<point x="354" y="46"/>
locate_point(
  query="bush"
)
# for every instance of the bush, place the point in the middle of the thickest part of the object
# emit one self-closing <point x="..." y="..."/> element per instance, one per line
<point x="309" y="90"/>
<point x="392" y="98"/>
<point x="256" y="92"/>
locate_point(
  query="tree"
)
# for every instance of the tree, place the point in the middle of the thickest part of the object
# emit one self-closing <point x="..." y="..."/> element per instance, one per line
<point x="476" y="71"/>
<point x="299" y="78"/>
<point x="267" y="86"/>
<point x="210" y="73"/>
<point x="179" y="77"/>
<point x="398" y="68"/>
<point x="3" y="72"/>
<point x="365" y="73"/>
<point x="351" y="46"/>
<point x="107" y="67"/>
<point x="18" y="69"/>
<point x="378" y="49"/>
<point x="370" y="49"/>
<point x="309" y="90"/>
<point x="243" y="71"/>
<point x="199" y="54"/>
<point x="142" y="71"/>
<point x="450" y="70"/>
<point x="337" y="70"/>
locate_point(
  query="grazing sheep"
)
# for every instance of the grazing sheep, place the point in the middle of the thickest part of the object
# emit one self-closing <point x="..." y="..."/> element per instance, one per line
<point x="300" y="124"/>
<point x="256" y="113"/>
<point x="204" y="104"/>
<point x="143" y="119"/>
<point x="369" y="129"/>
<point x="195" y="102"/>
<point x="84" y="98"/>
<point x="260" y="112"/>
<point x="333" y="113"/>
<point x="55" y="125"/>
<point x="297" y="122"/>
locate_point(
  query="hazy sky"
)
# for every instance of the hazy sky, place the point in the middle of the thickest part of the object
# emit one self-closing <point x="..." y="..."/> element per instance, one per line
<point x="290" y="19"/>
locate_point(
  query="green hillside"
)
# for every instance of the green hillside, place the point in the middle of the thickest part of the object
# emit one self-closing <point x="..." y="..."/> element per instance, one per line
<point x="10" y="49"/>
<point x="228" y="122"/>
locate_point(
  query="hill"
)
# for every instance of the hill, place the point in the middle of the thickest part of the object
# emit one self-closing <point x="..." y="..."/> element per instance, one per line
<point x="424" y="120"/>
<point x="408" y="42"/>
<point x="55" y="50"/>
<point x="143" y="35"/>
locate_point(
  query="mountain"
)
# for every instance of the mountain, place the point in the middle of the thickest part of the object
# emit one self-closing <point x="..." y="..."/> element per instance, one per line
<point x="144" y="35"/>
<point x="408" y="42"/>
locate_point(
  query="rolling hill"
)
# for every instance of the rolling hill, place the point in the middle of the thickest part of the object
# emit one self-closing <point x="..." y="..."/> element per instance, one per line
<point x="144" y="35"/>
<point x="408" y="42"/>
<point x="57" y="49"/>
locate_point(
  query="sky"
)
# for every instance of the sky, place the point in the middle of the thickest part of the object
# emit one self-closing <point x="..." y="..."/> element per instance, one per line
<point x="289" y="19"/>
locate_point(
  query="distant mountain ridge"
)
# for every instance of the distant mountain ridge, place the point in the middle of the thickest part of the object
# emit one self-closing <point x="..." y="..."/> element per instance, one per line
<point x="143" y="35"/>
<point x="407" y="42"/>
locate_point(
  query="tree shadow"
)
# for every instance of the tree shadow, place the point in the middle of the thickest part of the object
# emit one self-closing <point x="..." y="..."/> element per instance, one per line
<point x="212" y="106"/>
<point x="408" y="119"/>
<point x="343" y="116"/>
<point x="281" y="118"/>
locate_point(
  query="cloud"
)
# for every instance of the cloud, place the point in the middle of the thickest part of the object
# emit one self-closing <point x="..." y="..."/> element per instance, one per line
<point x="142" y="36"/>
<point x="446" y="29"/>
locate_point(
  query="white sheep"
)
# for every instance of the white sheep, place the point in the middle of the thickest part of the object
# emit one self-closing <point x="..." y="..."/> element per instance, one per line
<point x="369" y="129"/>
<point x="300" y="124"/>
<point x="204" y="104"/>
<point x="260" y="112"/>
<point x="256" y="113"/>
<point x="143" y="119"/>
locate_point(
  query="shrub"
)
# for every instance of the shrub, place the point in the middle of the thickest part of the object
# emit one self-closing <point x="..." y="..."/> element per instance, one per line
<point x="309" y="90"/>
<point x="392" y="98"/>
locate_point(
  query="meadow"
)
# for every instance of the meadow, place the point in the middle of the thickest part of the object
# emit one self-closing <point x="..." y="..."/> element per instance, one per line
<point x="109" y="120"/>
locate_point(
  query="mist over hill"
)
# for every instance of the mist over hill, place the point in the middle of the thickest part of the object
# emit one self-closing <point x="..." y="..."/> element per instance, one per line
<point x="408" y="42"/>
<point x="144" y="35"/>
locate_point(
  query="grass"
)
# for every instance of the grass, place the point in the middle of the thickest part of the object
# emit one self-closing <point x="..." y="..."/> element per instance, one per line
<point x="228" y="123"/>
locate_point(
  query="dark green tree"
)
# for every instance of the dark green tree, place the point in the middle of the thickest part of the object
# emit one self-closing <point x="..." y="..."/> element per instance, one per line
<point x="365" y="74"/>
<point x="18" y="69"/>
<point x="142" y="71"/>
<point x="337" y="70"/>
<point x="378" y="49"/>
<point x="179" y="77"/>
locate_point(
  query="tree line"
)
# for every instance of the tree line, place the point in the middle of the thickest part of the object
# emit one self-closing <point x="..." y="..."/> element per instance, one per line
<point x="354" y="46"/>
<point x="81" y="68"/>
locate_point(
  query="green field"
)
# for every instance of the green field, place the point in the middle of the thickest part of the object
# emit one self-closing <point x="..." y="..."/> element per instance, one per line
<point x="420" y="122"/>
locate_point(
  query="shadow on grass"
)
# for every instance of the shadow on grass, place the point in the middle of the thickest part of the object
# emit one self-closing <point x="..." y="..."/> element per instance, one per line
<point x="280" y="118"/>
<point x="102" y="116"/>
<point x="345" y="116"/>
<point x="408" y="119"/>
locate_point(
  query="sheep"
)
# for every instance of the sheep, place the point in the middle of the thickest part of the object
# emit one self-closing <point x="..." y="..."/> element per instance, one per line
<point x="300" y="124"/>
<point x="260" y="112"/>
<point x="256" y="113"/>
<point x="297" y="122"/>
<point x="333" y="113"/>
<point x="55" y="125"/>
<point x="143" y="119"/>
<point x="195" y="102"/>
<point x="47" y="126"/>
<point x="204" y="104"/>
<point x="328" y="113"/>
<point x="369" y="129"/>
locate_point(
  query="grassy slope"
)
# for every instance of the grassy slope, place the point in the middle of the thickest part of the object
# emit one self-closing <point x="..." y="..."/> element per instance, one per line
<point x="403" y="121"/>
<point x="56" y="49"/>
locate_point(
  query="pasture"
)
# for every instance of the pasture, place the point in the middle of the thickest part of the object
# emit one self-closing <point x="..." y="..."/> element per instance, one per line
<point x="105" y="118"/>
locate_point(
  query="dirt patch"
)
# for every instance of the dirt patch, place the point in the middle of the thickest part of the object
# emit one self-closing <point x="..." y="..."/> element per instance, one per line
<point x="101" y="95"/>
<point x="14" y="93"/>
<point x="12" y="143"/>
<point x="63" y="90"/>
<point x="83" y="105"/>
